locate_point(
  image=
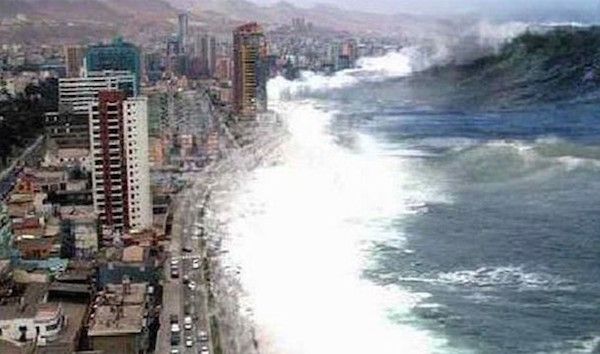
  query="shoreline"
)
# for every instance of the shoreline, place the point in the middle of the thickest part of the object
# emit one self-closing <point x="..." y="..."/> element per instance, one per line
<point x="230" y="330"/>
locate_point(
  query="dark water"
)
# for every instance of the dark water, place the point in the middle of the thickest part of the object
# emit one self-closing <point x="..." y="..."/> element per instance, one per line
<point x="512" y="259"/>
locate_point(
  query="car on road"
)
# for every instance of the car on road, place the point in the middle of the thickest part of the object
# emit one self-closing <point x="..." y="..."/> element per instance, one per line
<point x="174" y="273"/>
<point x="175" y="328"/>
<point x="186" y="279"/>
<point x="192" y="285"/>
<point x="189" y="342"/>
<point x="174" y="351"/>
<point x="204" y="350"/>
<point x="175" y="339"/>
<point x="195" y="263"/>
<point x="174" y="262"/>
<point x="203" y="336"/>
<point x="188" y="309"/>
<point x="186" y="249"/>
<point x="187" y="322"/>
<point x="174" y="320"/>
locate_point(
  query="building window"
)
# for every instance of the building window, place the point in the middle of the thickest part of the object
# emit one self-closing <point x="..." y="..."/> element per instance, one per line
<point x="52" y="327"/>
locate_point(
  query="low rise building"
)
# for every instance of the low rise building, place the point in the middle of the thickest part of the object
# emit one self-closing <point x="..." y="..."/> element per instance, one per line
<point x="80" y="231"/>
<point x="27" y="316"/>
<point x="67" y="129"/>
<point x="119" y="324"/>
<point x="68" y="158"/>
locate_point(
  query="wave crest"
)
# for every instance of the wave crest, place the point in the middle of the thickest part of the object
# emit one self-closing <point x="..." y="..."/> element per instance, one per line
<point x="505" y="277"/>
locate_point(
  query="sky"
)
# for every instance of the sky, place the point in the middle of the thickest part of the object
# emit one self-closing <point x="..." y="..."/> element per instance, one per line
<point x="558" y="9"/>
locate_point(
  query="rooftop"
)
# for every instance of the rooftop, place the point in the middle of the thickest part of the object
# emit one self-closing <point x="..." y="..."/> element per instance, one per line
<point x="113" y="320"/>
<point x="133" y="254"/>
<point x="72" y="153"/>
<point x="24" y="305"/>
<point x="75" y="314"/>
<point x="78" y="212"/>
<point x="132" y="294"/>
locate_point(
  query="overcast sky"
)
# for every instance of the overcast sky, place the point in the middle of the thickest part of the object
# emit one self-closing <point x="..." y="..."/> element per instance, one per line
<point x="562" y="9"/>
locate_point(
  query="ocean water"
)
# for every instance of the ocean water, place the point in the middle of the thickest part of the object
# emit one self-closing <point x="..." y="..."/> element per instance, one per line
<point x="392" y="223"/>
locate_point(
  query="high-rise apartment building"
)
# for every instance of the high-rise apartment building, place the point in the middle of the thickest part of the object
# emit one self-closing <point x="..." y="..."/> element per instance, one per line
<point x="120" y="174"/>
<point x="74" y="55"/>
<point x="223" y="69"/>
<point x="116" y="56"/>
<point x="182" y="31"/>
<point x="250" y="71"/>
<point x="75" y="94"/>
<point x="208" y="48"/>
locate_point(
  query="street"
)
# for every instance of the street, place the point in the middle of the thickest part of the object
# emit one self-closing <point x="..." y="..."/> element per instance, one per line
<point x="196" y="237"/>
<point x="176" y="294"/>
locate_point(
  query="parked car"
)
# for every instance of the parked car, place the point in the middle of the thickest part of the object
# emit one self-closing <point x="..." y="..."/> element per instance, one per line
<point x="192" y="285"/>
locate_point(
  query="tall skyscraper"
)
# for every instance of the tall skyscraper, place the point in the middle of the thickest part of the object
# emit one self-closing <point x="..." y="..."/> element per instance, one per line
<point x="250" y="71"/>
<point x="206" y="48"/>
<point x="120" y="174"/>
<point x="182" y="31"/>
<point x="116" y="56"/>
<point x="74" y="59"/>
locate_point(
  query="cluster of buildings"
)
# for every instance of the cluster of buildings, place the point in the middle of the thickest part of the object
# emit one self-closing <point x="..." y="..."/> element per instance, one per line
<point x="84" y="227"/>
<point x="80" y="238"/>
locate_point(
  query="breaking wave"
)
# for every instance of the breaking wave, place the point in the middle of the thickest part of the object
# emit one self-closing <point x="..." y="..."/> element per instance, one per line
<point x="394" y="64"/>
<point x="502" y="160"/>
<point x="504" y="277"/>
<point x="543" y="65"/>
<point x="494" y="278"/>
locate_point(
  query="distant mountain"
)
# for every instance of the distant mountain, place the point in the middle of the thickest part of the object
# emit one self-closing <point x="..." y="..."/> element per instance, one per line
<point x="82" y="20"/>
<point x="326" y="16"/>
<point x="143" y="20"/>
<point x="87" y="10"/>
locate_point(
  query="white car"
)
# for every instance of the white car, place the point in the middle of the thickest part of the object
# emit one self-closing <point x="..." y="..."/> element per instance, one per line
<point x="175" y="328"/>
<point x="203" y="336"/>
<point x="204" y="350"/>
<point x="189" y="342"/>
<point x="195" y="263"/>
<point x="192" y="285"/>
<point x="174" y="351"/>
<point x="174" y="262"/>
<point x="187" y="322"/>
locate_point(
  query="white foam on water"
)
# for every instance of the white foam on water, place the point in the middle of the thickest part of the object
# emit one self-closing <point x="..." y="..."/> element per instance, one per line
<point x="299" y="233"/>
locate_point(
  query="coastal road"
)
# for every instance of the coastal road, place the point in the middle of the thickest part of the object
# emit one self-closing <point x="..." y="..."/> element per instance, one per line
<point x="197" y="234"/>
<point x="185" y="246"/>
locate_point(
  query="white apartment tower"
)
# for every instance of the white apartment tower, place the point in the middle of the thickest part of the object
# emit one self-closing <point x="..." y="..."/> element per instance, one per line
<point x="119" y="148"/>
<point x="76" y="93"/>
